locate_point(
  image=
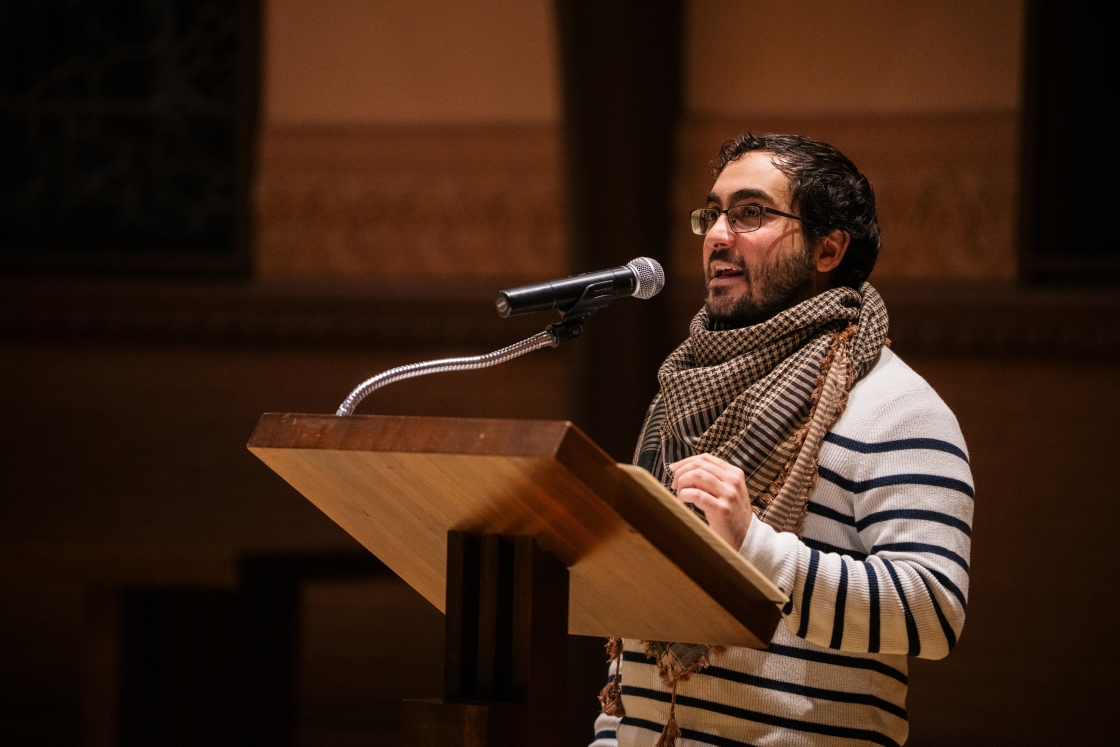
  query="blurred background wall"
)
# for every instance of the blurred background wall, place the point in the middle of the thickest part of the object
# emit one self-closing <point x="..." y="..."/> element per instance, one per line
<point x="276" y="199"/>
<point x="375" y="111"/>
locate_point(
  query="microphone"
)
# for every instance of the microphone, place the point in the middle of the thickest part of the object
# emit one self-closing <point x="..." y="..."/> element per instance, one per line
<point x="641" y="278"/>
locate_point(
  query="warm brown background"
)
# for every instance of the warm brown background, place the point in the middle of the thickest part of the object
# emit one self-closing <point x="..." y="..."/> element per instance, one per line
<point x="370" y="107"/>
<point x="413" y="151"/>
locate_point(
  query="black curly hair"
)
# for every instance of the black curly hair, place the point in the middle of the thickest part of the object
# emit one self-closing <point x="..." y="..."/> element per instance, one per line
<point x="828" y="192"/>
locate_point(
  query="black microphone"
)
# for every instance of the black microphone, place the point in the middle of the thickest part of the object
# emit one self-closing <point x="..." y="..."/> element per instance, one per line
<point x="641" y="278"/>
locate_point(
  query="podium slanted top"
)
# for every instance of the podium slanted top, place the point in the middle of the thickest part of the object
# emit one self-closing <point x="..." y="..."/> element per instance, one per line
<point x="641" y="564"/>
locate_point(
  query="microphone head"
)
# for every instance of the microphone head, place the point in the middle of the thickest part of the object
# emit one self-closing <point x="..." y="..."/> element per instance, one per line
<point x="650" y="275"/>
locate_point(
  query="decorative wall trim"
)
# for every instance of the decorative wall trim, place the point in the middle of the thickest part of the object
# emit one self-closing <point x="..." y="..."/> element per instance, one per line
<point x="985" y="320"/>
<point x="945" y="184"/>
<point x="437" y="315"/>
<point x="1003" y="320"/>
<point x="370" y="203"/>
<point x="935" y="319"/>
<point x="401" y="204"/>
<point x="400" y="237"/>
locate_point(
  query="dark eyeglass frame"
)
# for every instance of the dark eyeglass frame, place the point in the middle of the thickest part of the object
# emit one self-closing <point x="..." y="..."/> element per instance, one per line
<point x="698" y="217"/>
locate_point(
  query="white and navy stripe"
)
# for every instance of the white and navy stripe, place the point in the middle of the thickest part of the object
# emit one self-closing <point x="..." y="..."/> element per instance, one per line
<point x="880" y="573"/>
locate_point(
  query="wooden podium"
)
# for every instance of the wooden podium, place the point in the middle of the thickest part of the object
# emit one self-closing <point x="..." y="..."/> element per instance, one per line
<point x="520" y="531"/>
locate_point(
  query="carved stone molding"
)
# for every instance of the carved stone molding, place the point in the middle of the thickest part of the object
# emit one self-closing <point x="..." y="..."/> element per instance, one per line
<point x="391" y="204"/>
<point x="426" y="224"/>
<point x="945" y="186"/>
<point x="933" y="319"/>
<point x="368" y="203"/>
<point x="438" y="315"/>
<point x="983" y="320"/>
<point x="1003" y="320"/>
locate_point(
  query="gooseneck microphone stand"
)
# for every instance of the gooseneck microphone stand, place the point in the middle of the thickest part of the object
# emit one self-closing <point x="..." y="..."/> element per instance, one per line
<point x="567" y="329"/>
<point x="645" y="278"/>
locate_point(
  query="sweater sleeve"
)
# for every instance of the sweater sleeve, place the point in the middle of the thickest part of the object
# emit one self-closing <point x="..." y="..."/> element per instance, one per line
<point x="903" y="493"/>
<point x="606" y="728"/>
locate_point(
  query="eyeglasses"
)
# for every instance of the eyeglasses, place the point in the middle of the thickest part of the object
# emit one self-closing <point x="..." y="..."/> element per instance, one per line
<point x="741" y="218"/>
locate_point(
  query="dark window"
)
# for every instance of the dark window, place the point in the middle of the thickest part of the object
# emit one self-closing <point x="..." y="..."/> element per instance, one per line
<point x="125" y="133"/>
<point x="1071" y="133"/>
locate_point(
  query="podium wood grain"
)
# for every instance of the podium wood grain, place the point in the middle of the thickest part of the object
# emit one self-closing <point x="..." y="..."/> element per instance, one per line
<point x="642" y="565"/>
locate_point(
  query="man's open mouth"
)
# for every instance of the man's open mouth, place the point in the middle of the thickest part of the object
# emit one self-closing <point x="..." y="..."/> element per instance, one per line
<point x="726" y="272"/>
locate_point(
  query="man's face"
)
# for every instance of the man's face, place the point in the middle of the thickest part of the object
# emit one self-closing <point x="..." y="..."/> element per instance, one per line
<point x="750" y="277"/>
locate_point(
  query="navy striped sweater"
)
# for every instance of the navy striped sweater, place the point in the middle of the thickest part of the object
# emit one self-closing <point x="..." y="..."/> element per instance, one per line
<point x="880" y="573"/>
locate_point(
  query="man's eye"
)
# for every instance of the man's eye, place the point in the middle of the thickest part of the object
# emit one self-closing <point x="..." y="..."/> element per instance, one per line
<point x="751" y="211"/>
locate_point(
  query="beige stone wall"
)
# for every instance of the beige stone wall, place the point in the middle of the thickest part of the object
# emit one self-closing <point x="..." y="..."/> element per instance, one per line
<point x="857" y="57"/>
<point x="422" y="62"/>
<point x="409" y="141"/>
<point x="945" y="185"/>
<point x="376" y="110"/>
<point x="924" y="97"/>
<point x="411" y="204"/>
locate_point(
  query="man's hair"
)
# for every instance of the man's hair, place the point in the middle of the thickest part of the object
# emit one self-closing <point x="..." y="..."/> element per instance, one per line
<point x="827" y="191"/>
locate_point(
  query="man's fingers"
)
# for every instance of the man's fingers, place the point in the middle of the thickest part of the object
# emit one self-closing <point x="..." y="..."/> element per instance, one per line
<point x="705" y="464"/>
<point x="706" y="481"/>
<point x="693" y="464"/>
<point x="705" y="461"/>
<point x="696" y="460"/>
<point x="695" y="474"/>
<point x="719" y="490"/>
<point x="704" y="501"/>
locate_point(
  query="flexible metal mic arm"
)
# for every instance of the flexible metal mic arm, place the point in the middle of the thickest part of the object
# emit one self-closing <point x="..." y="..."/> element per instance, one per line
<point x="649" y="279"/>
<point x="556" y="335"/>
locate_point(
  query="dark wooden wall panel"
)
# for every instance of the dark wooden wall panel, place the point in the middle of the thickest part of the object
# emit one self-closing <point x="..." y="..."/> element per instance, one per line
<point x="1036" y="661"/>
<point x="145" y="444"/>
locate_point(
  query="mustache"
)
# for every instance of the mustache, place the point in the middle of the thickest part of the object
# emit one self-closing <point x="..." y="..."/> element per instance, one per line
<point x="725" y="255"/>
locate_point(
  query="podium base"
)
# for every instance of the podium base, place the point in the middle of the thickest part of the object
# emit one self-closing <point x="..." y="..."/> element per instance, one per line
<point x="505" y="655"/>
<point x="438" y="723"/>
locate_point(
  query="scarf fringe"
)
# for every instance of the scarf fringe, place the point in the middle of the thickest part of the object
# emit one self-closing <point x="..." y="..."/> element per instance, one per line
<point x="677" y="662"/>
<point x="836" y="354"/>
<point x="610" y="697"/>
<point x="672" y="730"/>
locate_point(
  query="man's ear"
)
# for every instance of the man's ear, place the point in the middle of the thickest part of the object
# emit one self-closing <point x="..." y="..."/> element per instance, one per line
<point x="830" y="251"/>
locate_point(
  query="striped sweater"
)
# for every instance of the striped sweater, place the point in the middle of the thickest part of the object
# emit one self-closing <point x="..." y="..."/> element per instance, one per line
<point x="880" y="573"/>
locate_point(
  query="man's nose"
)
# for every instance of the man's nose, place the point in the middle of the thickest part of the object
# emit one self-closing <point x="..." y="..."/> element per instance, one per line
<point x="720" y="232"/>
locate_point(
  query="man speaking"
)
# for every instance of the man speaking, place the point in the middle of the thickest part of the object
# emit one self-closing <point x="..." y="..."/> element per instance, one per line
<point x="836" y="470"/>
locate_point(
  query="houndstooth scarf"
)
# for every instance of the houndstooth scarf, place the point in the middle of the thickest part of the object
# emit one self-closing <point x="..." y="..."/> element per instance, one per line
<point x="762" y="398"/>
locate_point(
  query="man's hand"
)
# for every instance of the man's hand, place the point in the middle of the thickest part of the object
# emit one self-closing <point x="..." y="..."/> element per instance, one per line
<point x="719" y="490"/>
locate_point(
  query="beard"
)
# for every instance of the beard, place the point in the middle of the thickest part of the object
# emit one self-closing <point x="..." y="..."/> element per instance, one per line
<point x="771" y="289"/>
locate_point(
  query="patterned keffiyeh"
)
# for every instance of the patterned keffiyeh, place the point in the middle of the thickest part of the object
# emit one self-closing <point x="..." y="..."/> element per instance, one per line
<point x="762" y="398"/>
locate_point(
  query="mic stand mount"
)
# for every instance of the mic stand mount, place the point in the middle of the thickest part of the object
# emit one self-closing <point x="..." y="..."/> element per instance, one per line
<point x="567" y="329"/>
<point x="572" y="319"/>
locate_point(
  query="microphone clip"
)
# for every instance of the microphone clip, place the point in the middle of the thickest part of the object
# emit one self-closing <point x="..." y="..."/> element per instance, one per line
<point x="594" y="297"/>
<point x="567" y="329"/>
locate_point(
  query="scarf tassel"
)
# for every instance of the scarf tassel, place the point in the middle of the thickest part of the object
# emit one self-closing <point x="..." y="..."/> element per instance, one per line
<point x="671" y="731"/>
<point x="610" y="697"/>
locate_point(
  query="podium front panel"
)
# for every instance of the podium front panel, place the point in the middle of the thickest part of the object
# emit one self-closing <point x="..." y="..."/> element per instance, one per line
<point x="641" y="565"/>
